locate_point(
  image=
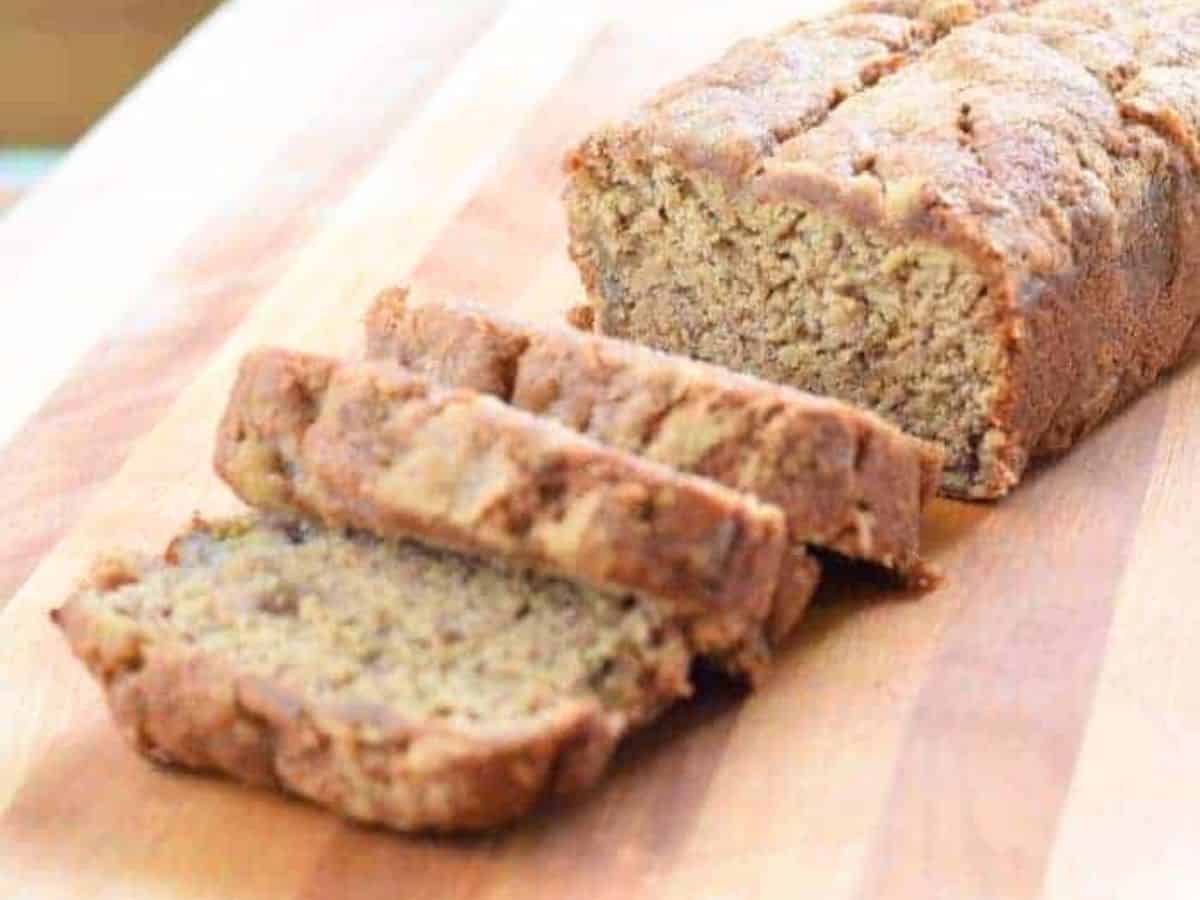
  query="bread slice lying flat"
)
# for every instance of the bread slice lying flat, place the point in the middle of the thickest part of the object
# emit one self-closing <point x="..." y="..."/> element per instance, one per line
<point x="373" y="446"/>
<point x="395" y="684"/>
<point x="846" y="480"/>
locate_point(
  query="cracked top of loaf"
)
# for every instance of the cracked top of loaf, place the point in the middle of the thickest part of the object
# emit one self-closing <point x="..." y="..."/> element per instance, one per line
<point x="1003" y="126"/>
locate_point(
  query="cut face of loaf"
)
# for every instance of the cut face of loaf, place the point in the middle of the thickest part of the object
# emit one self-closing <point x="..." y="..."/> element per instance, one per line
<point x="981" y="224"/>
<point x="846" y="480"/>
<point x="391" y="683"/>
<point x="375" y="447"/>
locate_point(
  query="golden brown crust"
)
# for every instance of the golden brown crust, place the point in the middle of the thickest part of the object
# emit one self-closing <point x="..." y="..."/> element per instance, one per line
<point x="372" y="446"/>
<point x="727" y="118"/>
<point x="942" y="14"/>
<point x="178" y="705"/>
<point x="1054" y="146"/>
<point x="846" y="480"/>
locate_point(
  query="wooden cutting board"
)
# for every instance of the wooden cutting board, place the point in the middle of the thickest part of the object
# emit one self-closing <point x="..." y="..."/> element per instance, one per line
<point x="1030" y="729"/>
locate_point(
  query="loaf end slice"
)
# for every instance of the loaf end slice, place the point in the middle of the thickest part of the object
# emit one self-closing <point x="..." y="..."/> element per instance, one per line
<point x="374" y="446"/>
<point x="391" y="683"/>
<point x="977" y="219"/>
<point x="846" y="480"/>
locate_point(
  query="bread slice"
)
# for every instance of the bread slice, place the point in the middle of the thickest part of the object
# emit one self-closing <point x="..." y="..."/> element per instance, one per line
<point x="846" y="480"/>
<point x="979" y="218"/>
<point x="373" y="446"/>
<point x="392" y="683"/>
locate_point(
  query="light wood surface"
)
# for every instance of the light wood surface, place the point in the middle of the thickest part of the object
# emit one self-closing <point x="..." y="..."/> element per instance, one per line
<point x="1028" y="730"/>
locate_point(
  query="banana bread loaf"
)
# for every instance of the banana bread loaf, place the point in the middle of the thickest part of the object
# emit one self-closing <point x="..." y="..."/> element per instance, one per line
<point x="392" y="683"/>
<point x="846" y="480"/>
<point x="978" y="219"/>
<point x="373" y="446"/>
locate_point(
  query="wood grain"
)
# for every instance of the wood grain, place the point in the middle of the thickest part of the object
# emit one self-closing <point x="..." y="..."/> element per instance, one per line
<point x="1025" y="731"/>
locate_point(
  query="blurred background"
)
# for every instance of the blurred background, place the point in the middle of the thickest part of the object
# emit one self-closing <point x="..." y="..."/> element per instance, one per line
<point x="63" y="63"/>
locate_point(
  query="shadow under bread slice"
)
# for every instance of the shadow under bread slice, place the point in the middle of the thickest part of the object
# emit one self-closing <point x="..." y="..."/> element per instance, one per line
<point x="846" y="480"/>
<point x="373" y="446"/>
<point x="390" y="682"/>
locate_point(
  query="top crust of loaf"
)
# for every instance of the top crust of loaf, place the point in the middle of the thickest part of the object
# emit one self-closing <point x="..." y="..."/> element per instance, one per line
<point x="832" y="111"/>
<point x="942" y="14"/>
<point x="372" y="446"/>
<point x="845" y="479"/>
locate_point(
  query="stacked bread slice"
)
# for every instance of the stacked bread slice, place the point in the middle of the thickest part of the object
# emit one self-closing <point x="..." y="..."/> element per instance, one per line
<point x="478" y="558"/>
<point x="845" y="481"/>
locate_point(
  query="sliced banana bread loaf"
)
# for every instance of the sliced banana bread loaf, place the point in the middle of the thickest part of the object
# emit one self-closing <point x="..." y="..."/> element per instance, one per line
<point x="845" y="479"/>
<point x="373" y="446"/>
<point x="392" y="683"/>
<point x="981" y="223"/>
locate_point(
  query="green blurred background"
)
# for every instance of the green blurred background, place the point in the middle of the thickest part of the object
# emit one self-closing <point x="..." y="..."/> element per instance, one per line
<point x="64" y="62"/>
